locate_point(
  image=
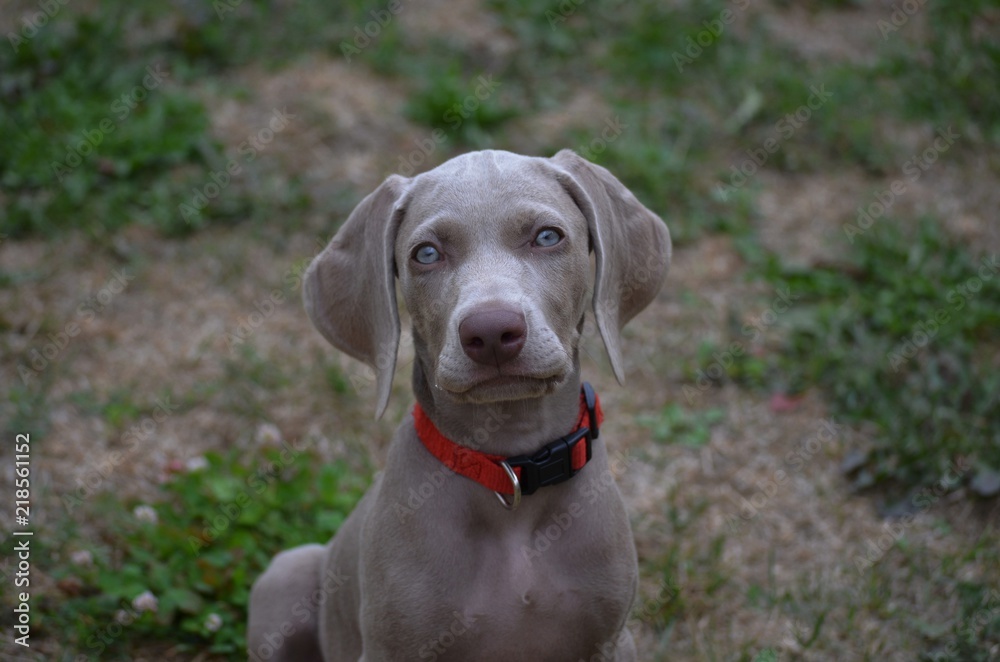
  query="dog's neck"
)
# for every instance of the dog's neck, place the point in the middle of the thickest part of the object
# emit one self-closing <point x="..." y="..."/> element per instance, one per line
<point x="508" y="428"/>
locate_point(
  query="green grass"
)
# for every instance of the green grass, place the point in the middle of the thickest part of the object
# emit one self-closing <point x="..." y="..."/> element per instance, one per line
<point x="467" y="109"/>
<point x="116" y="409"/>
<point x="215" y="530"/>
<point x="975" y="633"/>
<point x="26" y="408"/>
<point x="208" y="38"/>
<point x="923" y="403"/>
<point x="659" y="158"/>
<point x="907" y="337"/>
<point x="94" y="132"/>
<point x="689" y="571"/>
<point x="676" y="425"/>
<point x="102" y="132"/>
<point x="950" y="79"/>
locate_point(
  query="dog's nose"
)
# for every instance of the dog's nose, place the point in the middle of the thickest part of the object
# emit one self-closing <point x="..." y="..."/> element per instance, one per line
<point x="492" y="336"/>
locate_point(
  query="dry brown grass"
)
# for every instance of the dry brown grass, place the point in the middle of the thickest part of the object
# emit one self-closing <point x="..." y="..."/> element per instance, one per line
<point x="766" y="583"/>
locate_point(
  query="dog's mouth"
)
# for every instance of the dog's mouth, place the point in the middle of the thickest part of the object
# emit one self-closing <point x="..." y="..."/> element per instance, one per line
<point x="499" y="388"/>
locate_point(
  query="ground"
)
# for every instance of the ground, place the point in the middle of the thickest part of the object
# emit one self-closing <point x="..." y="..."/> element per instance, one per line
<point x="792" y="578"/>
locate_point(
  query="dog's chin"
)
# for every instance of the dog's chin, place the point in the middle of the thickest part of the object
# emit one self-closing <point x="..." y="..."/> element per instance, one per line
<point x="506" y="388"/>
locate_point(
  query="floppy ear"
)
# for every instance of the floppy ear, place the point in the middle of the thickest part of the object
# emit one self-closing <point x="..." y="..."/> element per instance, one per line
<point x="631" y="246"/>
<point x="349" y="290"/>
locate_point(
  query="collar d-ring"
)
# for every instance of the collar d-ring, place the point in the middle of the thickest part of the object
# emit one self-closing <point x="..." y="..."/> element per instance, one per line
<point x="515" y="483"/>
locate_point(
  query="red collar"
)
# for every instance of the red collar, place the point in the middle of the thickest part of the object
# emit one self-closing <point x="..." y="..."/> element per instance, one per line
<point x="555" y="462"/>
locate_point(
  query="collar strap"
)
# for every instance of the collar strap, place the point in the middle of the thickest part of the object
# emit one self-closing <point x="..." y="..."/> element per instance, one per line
<point x="554" y="463"/>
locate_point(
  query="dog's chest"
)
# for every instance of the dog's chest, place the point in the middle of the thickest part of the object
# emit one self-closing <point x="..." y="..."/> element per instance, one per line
<point x="515" y="597"/>
<point x="461" y="579"/>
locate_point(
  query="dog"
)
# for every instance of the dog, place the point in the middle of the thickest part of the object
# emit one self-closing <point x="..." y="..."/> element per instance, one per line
<point x="519" y="546"/>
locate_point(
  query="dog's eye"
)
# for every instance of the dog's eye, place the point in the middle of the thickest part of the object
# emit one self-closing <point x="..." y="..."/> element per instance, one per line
<point x="548" y="237"/>
<point x="426" y="254"/>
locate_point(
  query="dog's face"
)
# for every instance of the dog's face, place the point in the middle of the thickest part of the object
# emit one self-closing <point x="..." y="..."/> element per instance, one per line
<point x="492" y="253"/>
<point x="488" y="232"/>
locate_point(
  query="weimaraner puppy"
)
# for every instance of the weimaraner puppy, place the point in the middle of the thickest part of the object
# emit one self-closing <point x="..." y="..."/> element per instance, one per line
<point x="494" y="531"/>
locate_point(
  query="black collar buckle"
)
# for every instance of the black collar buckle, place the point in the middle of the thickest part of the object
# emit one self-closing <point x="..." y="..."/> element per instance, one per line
<point x="553" y="463"/>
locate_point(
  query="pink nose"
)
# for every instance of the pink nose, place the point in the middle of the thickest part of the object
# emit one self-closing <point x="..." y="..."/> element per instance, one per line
<point x="492" y="336"/>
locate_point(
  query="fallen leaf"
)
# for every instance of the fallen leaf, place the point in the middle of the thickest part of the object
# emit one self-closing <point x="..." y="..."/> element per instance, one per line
<point x="781" y="402"/>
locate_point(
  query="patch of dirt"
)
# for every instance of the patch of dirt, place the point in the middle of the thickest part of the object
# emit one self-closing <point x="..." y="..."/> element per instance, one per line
<point x="803" y="216"/>
<point x="464" y="24"/>
<point x="585" y="111"/>
<point x="849" y="35"/>
<point x="345" y="122"/>
<point x="812" y="219"/>
<point x="768" y="486"/>
<point x="966" y="196"/>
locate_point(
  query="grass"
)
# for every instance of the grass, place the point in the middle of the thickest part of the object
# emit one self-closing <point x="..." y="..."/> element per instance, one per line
<point x="689" y="575"/>
<point x="193" y="551"/>
<point x="95" y="132"/>
<point x="460" y="106"/>
<point x="948" y="80"/>
<point x="887" y="335"/>
<point x="676" y="425"/>
<point x="27" y="408"/>
<point x="658" y="158"/>
<point x="103" y="133"/>
<point x="909" y="332"/>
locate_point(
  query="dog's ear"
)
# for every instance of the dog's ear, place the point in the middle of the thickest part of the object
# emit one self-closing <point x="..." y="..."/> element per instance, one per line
<point x="349" y="290"/>
<point x="631" y="247"/>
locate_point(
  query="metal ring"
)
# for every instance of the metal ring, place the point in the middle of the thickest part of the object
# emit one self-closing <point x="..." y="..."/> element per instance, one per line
<point x="516" y="501"/>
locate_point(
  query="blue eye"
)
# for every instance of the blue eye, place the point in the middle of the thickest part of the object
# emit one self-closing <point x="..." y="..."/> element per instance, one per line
<point x="426" y="254"/>
<point x="548" y="237"/>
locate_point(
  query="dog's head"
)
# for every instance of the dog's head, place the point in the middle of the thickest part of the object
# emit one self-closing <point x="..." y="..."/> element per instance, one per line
<point x="492" y="253"/>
